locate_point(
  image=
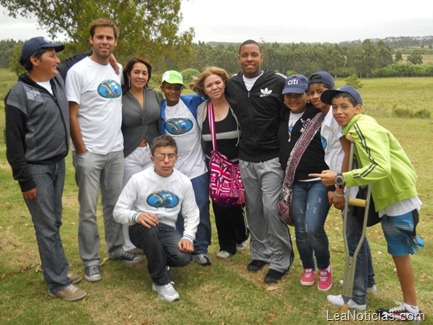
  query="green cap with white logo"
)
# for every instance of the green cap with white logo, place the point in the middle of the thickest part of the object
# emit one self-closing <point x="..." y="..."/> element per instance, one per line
<point x="172" y="77"/>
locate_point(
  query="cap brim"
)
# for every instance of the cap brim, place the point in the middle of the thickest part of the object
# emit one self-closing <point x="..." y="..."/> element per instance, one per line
<point x="57" y="47"/>
<point x="293" y="91"/>
<point x="328" y="95"/>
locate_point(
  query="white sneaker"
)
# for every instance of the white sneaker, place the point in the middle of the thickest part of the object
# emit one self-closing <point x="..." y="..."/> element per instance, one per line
<point x="372" y="289"/>
<point x="223" y="254"/>
<point x="166" y="292"/>
<point x="337" y="300"/>
<point x="240" y="247"/>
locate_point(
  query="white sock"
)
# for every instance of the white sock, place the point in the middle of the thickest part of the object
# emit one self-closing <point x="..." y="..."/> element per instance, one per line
<point x="412" y="309"/>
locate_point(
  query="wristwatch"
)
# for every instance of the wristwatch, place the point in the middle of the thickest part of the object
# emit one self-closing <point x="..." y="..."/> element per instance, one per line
<point x="339" y="180"/>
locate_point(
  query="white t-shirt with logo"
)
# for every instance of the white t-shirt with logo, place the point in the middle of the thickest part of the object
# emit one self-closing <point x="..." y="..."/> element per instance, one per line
<point x="97" y="89"/>
<point x="182" y="126"/>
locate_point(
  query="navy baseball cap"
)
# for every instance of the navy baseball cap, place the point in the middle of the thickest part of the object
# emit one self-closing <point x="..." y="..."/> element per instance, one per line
<point x="34" y="44"/>
<point x="329" y="94"/>
<point x="321" y="77"/>
<point x="295" y="84"/>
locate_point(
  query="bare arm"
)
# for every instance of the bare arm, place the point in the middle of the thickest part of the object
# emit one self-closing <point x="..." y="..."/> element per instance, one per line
<point x="76" y="137"/>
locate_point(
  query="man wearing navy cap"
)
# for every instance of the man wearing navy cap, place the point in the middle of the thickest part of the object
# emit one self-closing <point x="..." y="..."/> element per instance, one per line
<point x="37" y="142"/>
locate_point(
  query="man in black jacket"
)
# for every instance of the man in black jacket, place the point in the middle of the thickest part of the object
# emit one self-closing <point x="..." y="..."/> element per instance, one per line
<point x="256" y="97"/>
<point x="37" y="142"/>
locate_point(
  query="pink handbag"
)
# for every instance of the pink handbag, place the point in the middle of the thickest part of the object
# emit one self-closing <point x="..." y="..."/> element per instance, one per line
<point x="225" y="183"/>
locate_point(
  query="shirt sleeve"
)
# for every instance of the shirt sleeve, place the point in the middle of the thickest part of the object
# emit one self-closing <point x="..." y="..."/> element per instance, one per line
<point x="190" y="212"/>
<point x="123" y="210"/>
<point x="372" y="148"/>
<point x="15" y="147"/>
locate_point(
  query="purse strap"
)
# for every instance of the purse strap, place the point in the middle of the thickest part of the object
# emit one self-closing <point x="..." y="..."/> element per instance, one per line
<point x="211" y="116"/>
<point x="300" y="146"/>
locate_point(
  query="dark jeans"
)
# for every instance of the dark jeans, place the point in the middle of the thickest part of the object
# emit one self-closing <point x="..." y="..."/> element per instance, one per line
<point x="203" y="236"/>
<point x="160" y="247"/>
<point x="364" y="272"/>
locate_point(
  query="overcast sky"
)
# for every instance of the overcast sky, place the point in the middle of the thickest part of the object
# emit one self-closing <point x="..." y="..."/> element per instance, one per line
<point x="283" y="21"/>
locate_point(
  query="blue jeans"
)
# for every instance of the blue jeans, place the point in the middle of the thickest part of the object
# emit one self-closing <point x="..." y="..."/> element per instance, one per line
<point x="364" y="272"/>
<point x="46" y="212"/>
<point x="310" y="209"/>
<point x="202" y="240"/>
<point x="94" y="172"/>
<point x="159" y="244"/>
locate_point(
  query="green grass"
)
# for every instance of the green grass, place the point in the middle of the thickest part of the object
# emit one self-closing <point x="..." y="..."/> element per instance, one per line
<point x="223" y="293"/>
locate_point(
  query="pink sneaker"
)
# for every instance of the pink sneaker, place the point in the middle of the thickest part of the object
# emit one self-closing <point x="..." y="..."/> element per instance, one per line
<point x="325" y="279"/>
<point x="307" y="277"/>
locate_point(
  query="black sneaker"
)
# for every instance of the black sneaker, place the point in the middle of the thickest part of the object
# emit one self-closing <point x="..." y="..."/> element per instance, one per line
<point x="273" y="276"/>
<point x="400" y="313"/>
<point x="256" y="265"/>
<point x="127" y="258"/>
<point x="92" y="273"/>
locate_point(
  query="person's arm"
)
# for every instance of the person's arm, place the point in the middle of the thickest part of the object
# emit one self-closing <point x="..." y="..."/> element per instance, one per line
<point x="345" y="144"/>
<point x="191" y="214"/>
<point x="123" y="211"/>
<point x="15" y="150"/>
<point x="373" y="154"/>
<point x="338" y="195"/>
<point x="76" y="136"/>
<point x="64" y="67"/>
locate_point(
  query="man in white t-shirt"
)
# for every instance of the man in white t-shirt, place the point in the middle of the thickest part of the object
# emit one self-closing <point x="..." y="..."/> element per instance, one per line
<point x="150" y="204"/>
<point x="95" y="108"/>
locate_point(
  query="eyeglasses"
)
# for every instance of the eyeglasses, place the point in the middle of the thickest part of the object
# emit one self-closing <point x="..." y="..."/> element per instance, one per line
<point x="161" y="156"/>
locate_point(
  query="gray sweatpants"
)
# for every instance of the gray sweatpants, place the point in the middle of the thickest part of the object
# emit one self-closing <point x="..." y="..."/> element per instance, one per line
<point x="270" y="237"/>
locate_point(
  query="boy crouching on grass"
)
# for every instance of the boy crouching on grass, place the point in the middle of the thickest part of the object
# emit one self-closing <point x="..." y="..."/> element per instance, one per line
<point x="150" y="203"/>
<point x="387" y="168"/>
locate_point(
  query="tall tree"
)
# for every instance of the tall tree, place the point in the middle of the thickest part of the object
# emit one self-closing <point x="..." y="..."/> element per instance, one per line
<point x="148" y="28"/>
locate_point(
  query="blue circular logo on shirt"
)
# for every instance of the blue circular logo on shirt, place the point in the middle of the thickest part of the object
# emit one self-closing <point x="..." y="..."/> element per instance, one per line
<point x="178" y="126"/>
<point x="163" y="199"/>
<point x="109" y="89"/>
<point x="324" y="143"/>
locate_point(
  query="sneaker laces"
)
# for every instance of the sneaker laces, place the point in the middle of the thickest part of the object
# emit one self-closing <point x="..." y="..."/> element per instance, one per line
<point x="128" y="255"/>
<point x="93" y="269"/>
<point x="399" y="309"/>
<point x="71" y="288"/>
<point x="323" y="275"/>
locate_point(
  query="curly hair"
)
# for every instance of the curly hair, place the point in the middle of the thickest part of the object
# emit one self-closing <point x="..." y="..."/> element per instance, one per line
<point x="198" y="83"/>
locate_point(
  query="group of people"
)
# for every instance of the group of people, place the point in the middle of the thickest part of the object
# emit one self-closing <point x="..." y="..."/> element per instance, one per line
<point x="147" y="152"/>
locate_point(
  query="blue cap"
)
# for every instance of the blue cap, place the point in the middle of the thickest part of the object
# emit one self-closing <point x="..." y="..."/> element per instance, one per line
<point x="322" y="77"/>
<point x="295" y="84"/>
<point x="328" y="95"/>
<point x="34" y="44"/>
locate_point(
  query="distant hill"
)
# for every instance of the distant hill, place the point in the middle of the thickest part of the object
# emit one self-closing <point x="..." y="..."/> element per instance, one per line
<point x="403" y="42"/>
<point x="400" y="42"/>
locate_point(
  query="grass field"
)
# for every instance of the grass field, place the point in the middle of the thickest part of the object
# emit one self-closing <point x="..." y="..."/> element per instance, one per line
<point x="224" y="293"/>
